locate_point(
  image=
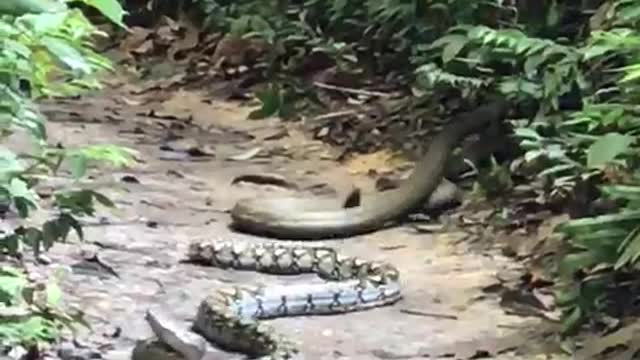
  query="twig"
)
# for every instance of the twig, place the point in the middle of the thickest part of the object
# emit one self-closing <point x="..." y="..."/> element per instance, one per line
<point x="392" y="247"/>
<point x="334" y="115"/>
<point x="428" y="314"/>
<point x="351" y="90"/>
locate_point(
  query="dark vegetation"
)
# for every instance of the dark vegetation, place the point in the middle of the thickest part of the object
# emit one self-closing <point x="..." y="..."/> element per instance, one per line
<point x="571" y="69"/>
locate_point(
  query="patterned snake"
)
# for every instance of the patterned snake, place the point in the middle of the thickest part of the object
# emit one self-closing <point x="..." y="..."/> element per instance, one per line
<point x="293" y="218"/>
<point x="229" y="316"/>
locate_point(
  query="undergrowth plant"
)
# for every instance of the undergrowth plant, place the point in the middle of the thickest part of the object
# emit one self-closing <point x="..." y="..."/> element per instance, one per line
<point x="594" y="139"/>
<point x="595" y="142"/>
<point x="362" y="36"/>
<point x="45" y="50"/>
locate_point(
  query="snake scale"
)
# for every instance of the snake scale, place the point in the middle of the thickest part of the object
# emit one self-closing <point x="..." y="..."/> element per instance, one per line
<point x="303" y="219"/>
<point x="230" y="316"/>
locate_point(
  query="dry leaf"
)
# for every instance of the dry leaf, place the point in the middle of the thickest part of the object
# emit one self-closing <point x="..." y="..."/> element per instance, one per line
<point x="188" y="42"/>
<point x="380" y="162"/>
<point x="137" y="36"/>
<point x="246" y="155"/>
<point x="626" y="336"/>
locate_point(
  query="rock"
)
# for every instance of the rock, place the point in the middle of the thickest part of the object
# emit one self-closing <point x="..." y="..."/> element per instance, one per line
<point x="177" y="336"/>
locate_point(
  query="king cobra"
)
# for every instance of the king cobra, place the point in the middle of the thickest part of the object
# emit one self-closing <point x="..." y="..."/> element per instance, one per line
<point x="302" y="219"/>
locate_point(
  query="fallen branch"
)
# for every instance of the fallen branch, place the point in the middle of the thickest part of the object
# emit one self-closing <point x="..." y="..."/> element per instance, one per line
<point x="351" y="90"/>
<point x="428" y="314"/>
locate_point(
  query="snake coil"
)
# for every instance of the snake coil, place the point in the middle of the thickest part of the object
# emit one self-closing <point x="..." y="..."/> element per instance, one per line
<point x="303" y="219"/>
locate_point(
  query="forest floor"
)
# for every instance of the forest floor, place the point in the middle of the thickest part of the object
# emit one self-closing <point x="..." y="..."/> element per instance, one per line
<point x="191" y="147"/>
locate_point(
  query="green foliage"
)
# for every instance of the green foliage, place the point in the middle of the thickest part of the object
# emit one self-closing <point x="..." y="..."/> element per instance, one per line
<point x="111" y="9"/>
<point x="361" y="36"/>
<point x="576" y="145"/>
<point x="603" y="66"/>
<point x="45" y="50"/>
<point x="21" y="7"/>
<point x="30" y="312"/>
<point x="601" y="245"/>
<point x="352" y="31"/>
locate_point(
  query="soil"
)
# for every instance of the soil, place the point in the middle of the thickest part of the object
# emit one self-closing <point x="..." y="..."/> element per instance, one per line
<point x="190" y="149"/>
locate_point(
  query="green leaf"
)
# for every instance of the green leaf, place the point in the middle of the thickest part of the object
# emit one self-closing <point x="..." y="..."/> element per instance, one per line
<point x="527" y="133"/>
<point x="67" y="54"/>
<point x="583" y="260"/>
<point x="566" y="297"/>
<point x="54" y="294"/>
<point x="11" y="287"/>
<point x="571" y="322"/>
<point x="624" y="192"/>
<point x="240" y="25"/>
<point x="24" y="198"/>
<point x="271" y="103"/>
<point x="50" y="232"/>
<point x="62" y="231"/>
<point x="70" y="221"/>
<point x="103" y="199"/>
<point x="116" y="155"/>
<point x="532" y="64"/>
<point x="630" y="250"/>
<point x="78" y="166"/>
<point x="596" y="50"/>
<point x="19" y="188"/>
<point x="455" y="44"/>
<point x="607" y="148"/>
<point x="10" y="243"/>
<point x="45" y="24"/>
<point x="33" y="237"/>
<point x="608" y="239"/>
<point x="111" y="9"/>
<point x="589" y="225"/>
<point x="633" y="73"/>
<point x="21" y="7"/>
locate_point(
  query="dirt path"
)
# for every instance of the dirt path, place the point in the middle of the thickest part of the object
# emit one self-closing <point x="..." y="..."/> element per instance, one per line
<point x="168" y="198"/>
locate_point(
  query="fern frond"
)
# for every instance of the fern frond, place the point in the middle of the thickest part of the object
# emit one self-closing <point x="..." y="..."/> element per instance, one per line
<point x="430" y="75"/>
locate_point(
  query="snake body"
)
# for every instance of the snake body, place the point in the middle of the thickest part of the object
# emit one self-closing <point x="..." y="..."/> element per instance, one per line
<point x="229" y="316"/>
<point x="304" y="219"/>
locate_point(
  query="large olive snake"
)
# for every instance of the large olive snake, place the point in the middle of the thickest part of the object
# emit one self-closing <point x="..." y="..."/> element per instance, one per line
<point x="228" y="317"/>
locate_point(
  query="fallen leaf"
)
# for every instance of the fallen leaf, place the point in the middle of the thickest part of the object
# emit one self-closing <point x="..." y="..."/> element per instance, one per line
<point x="130" y="179"/>
<point x="427" y="228"/>
<point x="628" y="336"/>
<point x="234" y="51"/>
<point x="380" y="162"/>
<point x="188" y="42"/>
<point x="385" y="183"/>
<point x="130" y="102"/>
<point x="246" y="155"/>
<point x="137" y="36"/>
<point x="145" y="48"/>
<point x="188" y="146"/>
<point x="180" y="106"/>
